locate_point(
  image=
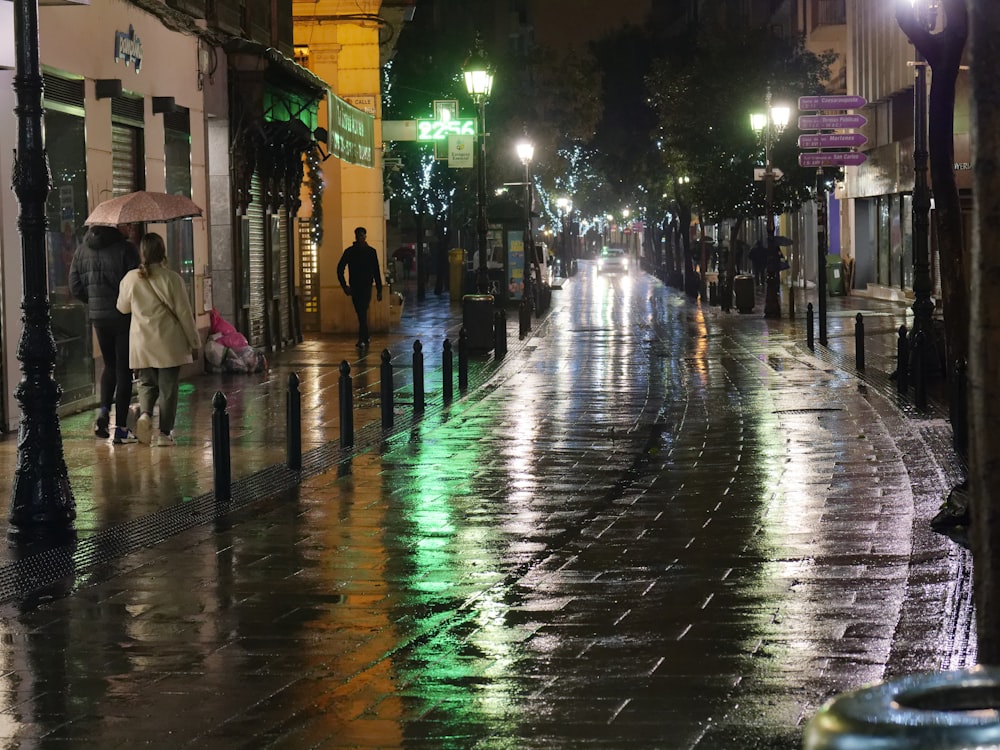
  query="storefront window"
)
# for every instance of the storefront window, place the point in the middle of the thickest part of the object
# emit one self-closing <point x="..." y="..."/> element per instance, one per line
<point x="66" y="210"/>
<point x="180" y="234"/>
<point x="907" y="222"/>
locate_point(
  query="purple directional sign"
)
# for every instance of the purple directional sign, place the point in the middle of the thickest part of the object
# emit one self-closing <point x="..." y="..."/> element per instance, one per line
<point x="807" y="103"/>
<point x="831" y="122"/>
<point x="832" y="159"/>
<point x="832" y="140"/>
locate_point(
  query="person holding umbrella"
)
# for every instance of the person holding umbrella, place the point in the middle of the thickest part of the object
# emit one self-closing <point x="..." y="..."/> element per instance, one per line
<point x="98" y="266"/>
<point x="163" y="336"/>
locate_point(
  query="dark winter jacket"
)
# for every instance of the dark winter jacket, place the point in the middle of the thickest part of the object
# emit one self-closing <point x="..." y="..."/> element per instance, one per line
<point x="361" y="262"/>
<point x="99" y="264"/>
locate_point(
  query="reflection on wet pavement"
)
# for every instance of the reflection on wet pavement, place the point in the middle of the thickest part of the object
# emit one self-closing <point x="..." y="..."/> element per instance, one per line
<point x="657" y="527"/>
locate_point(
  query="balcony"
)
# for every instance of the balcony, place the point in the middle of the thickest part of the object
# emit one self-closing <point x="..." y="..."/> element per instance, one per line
<point x="828" y="13"/>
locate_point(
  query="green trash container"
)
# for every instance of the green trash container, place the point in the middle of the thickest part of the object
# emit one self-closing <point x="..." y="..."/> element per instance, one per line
<point x="834" y="276"/>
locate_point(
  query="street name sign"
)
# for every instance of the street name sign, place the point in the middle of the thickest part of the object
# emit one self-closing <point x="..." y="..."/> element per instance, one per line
<point x="807" y="103"/>
<point x="832" y="159"/>
<point x="832" y="140"/>
<point x="831" y="122"/>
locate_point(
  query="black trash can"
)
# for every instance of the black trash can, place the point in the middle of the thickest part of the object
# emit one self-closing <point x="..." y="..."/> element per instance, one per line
<point x="743" y="288"/>
<point x="477" y="318"/>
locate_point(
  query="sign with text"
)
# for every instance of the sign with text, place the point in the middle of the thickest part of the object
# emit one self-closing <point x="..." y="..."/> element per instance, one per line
<point x="460" y="150"/>
<point x="832" y="159"/>
<point x="831" y="122"/>
<point x="439" y="130"/>
<point x="832" y="140"/>
<point x="807" y="103"/>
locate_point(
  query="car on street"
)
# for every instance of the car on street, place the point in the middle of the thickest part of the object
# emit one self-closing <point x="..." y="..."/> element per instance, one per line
<point x="612" y="260"/>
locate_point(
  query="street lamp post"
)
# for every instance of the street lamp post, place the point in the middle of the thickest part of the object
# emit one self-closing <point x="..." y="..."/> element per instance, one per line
<point x="42" y="503"/>
<point x="923" y="307"/>
<point x="566" y="204"/>
<point x="769" y="125"/>
<point x="525" y="151"/>
<point x="478" y="74"/>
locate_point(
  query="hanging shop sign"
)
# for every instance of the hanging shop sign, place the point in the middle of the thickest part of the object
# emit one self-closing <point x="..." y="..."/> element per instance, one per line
<point x="128" y="48"/>
<point x="352" y="133"/>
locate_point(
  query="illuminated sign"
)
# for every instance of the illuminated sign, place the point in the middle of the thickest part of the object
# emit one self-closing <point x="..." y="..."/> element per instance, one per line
<point x="439" y="130"/>
<point x="445" y="122"/>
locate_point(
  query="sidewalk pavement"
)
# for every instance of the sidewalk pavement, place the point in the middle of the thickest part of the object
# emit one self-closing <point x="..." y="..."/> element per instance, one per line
<point x="679" y="551"/>
<point x="118" y="484"/>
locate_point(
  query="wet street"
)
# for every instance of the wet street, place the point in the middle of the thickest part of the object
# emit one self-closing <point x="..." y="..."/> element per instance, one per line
<point x="652" y="525"/>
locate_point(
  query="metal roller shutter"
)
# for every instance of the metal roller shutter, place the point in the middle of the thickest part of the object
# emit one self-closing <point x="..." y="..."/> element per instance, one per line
<point x="255" y="313"/>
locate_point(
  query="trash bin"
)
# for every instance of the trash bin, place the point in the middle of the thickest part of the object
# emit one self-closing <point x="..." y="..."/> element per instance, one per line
<point x="456" y="273"/>
<point x="743" y="288"/>
<point x="954" y="710"/>
<point x="834" y="276"/>
<point x="477" y="318"/>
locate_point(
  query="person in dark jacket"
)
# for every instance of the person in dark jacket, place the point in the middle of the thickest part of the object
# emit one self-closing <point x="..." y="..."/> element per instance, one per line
<point x="99" y="264"/>
<point x="361" y="262"/>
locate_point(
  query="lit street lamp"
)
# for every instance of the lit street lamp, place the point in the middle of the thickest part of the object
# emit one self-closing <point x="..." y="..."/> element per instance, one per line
<point x="525" y="151"/>
<point x="768" y="125"/>
<point x="923" y="308"/>
<point x="478" y="74"/>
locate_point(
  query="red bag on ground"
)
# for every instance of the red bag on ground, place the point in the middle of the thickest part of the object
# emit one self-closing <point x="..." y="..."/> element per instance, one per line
<point x="228" y="335"/>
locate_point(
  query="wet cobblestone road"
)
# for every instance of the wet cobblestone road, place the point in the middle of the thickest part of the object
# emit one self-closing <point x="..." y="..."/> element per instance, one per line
<point x="652" y="526"/>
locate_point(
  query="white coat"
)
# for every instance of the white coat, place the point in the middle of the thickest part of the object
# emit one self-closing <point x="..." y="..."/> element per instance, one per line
<point x="156" y="338"/>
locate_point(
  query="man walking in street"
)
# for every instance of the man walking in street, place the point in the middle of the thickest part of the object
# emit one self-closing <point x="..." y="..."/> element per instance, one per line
<point x="361" y="262"/>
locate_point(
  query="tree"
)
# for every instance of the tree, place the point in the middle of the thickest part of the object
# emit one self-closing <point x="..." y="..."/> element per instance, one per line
<point x="703" y="89"/>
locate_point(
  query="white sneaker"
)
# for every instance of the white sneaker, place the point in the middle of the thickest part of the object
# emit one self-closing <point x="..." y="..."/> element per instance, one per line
<point x="132" y="418"/>
<point x="165" y="441"/>
<point x="144" y="428"/>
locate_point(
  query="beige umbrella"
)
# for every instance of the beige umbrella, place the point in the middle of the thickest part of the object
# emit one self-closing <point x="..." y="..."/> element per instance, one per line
<point x="142" y="206"/>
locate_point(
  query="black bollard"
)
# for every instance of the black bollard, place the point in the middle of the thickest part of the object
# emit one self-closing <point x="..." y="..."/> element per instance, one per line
<point x="385" y="379"/>
<point x="902" y="361"/>
<point x="418" y="376"/>
<point x="447" y="386"/>
<point x="221" y="468"/>
<point x="463" y="360"/>
<point x="809" y="327"/>
<point x="917" y="370"/>
<point x="859" y="342"/>
<point x="499" y="333"/>
<point x="293" y="423"/>
<point x="346" y="406"/>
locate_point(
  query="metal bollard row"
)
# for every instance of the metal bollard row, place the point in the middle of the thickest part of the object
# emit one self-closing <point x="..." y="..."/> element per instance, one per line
<point x="859" y="342"/>
<point x="221" y="466"/>
<point x="293" y="424"/>
<point x="346" y="393"/>
<point x="447" y="384"/>
<point x="385" y="379"/>
<point x="463" y="360"/>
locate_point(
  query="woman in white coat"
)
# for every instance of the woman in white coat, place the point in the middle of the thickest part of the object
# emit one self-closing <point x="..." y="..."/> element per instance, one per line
<point x="162" y="337"/>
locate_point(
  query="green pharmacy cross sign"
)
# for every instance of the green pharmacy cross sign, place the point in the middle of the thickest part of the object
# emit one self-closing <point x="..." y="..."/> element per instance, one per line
<point x="445" y="122"/>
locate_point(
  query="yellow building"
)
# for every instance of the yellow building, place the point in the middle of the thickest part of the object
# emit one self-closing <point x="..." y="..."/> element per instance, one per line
<point x="339" y="41"/>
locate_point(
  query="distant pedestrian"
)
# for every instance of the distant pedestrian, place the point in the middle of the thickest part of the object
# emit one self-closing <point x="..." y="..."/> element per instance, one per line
<point x="163" y="336"/>
<point x="98" y="266"/>
<point x="361" y="262"/>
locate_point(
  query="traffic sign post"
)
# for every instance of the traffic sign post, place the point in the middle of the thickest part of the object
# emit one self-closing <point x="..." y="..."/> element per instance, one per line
<point x="831" y="122"/>
<point x="832" y="159"/>
<point x="812" y="103"/>
<point x="832" y="140"/>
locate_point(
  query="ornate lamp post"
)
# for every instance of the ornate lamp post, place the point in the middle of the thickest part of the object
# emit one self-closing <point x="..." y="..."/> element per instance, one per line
<point x="42" y="503"/>
<point x="525" y="151"/>
<point x="769" y="125"/>
<point x="923" y="307"/>
<point x="478" y="72"/>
